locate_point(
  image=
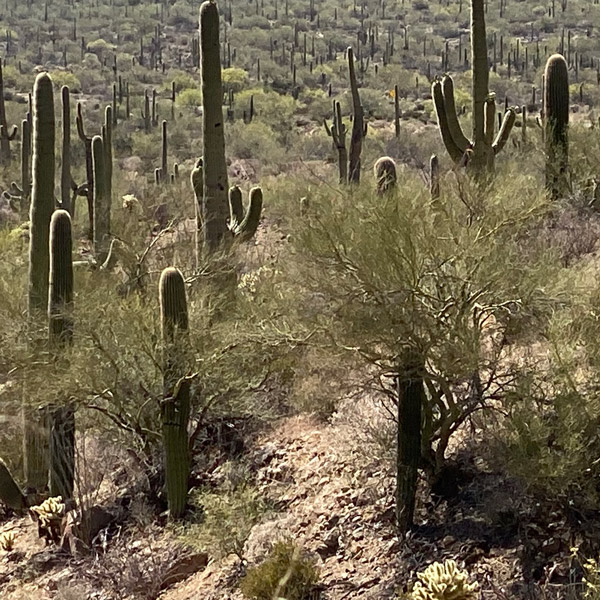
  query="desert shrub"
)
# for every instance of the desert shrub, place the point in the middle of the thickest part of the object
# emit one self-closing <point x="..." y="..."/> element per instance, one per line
<point x="227" y="517"/>
<point x="60" y="78"/>
<point x="190" y="98"/>
<point x="369" y="277"/>
<point x="284" y="574"/>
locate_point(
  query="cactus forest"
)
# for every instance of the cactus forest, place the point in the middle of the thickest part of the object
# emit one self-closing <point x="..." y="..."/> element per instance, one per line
<point x="299" y="300"/>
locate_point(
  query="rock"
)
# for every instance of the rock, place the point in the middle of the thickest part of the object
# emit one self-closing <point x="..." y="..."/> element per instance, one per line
<point x="183" y="567"/>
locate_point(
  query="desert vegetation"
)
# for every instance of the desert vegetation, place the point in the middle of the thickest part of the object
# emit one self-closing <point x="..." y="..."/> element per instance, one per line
<point x="299" y="300"/>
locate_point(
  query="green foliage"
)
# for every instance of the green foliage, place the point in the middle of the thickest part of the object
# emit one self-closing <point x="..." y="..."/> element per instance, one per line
<point x="227" y="518"/>
<point x="189" y="98"/>
<point x="60" y="78"/>
<point x="284" y="574"/>
<point x="234" y="79"/>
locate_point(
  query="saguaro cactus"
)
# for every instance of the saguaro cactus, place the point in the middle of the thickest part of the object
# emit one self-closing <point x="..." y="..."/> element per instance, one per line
<point x="244" y="225"/>
<point x="556" y="124"/>
<point x="101" y="202"/>
<point x="197" y="179"/>
<point x="107" y="130"/>
<point x="5" y="136"/>
<point x="89" y="167"/>
<point x="60" y="333"/>
<point x="42" y="205"/>
<point x="215" y="206"/>
<point x="410" y="401"/>
<point x="66" y="181"/>
<point x="479" y="152"/>
<point x="175" y="407"/>
<point x="10" y="493"/>
<point x="385" y="174"/>
<point x="359" y="130"/>
<point x="337" y="132"/>
<point x="163" y="162"/>
<point x="434" y="177"/>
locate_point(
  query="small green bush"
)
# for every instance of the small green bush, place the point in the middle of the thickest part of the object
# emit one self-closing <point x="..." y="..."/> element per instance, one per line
<point x="285" y="574"/>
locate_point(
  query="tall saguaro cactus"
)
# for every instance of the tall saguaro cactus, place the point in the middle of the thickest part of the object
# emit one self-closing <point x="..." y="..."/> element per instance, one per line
<point x="42" y="206"/>
<point x="478" y="153"/>
<point x="60" y="333"/>
<point x="101" y="201"/>
<point x="215" y="206"/>
<point x="89" y="167"/>
<point x="107" y="131"/>
<point x="556" y="124"/>
<point x="359" y="130"/>
<point x="337" y="132"/>
<point x="175" y="406"/>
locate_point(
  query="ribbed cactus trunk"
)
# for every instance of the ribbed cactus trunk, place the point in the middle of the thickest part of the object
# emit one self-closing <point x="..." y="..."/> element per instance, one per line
<point x="358" y="123"/>
<point x="42" y="205"/>
<point x="215" y="205"/>
<point x="25" y="166"/>
<point x="175" y="407"/>
<point x="60" y="334"/>
<point x="337" y="132"/>
<point x="482" y="158"/>
<point x="107" y="133"/>
<point x="65" y="172"/>
<point x="385" y="175"/>
<point x="163" y="162"/>
<point x="556" y="125"/>
<point x="245" y="229"/>
<point x="410" y="403"/>
<point x="101" y="202"/>
<point x="89" y="167"/>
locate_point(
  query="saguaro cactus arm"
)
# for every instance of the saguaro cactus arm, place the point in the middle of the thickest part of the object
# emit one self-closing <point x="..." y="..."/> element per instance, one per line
<point x="453" y="149"/>
<point x="246" y="228"/>
<point x="503" y="134"/>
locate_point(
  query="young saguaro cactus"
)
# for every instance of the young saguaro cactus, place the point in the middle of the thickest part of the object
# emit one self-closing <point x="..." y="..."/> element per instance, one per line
<point x="42" y="206"/>
<point x="107" y="130"/>
<point x="175" y="407"/>
<point x="482" y="149"/>
<point x="215" y="205"/>
<point x="556" y="124"/>
<point x="337" y="132"/>
<point x="60" y="334"/>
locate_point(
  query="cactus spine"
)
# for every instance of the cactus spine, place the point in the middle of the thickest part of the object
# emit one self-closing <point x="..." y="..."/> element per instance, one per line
<point x="42" y="206"/>
<point x="482" y="149"/>
<point x="215" y="206"/>
<point x="337" y="132"/>
<point x="385" y="174"/>
<point x="101" y="201"/>
<point x="175" y="407"/>
<point x="359" y="130"/>
<point x="556" y="124"/>
<point x="66" y="181"/>
<point x="60" y="333"/>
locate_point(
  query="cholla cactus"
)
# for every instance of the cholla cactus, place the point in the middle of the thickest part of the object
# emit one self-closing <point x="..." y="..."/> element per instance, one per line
<point x="444" y="581"/>
<point x="50" y="509"/>
<point x="7" y="541"/>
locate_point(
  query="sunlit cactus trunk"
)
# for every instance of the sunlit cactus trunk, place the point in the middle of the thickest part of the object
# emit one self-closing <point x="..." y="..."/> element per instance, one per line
<point x="175" y="406"/>
<point x="42" y="205"/>
<point x="215" y="205"/>
<point x="556" y="125"/>
<point x="60" y="334"/>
